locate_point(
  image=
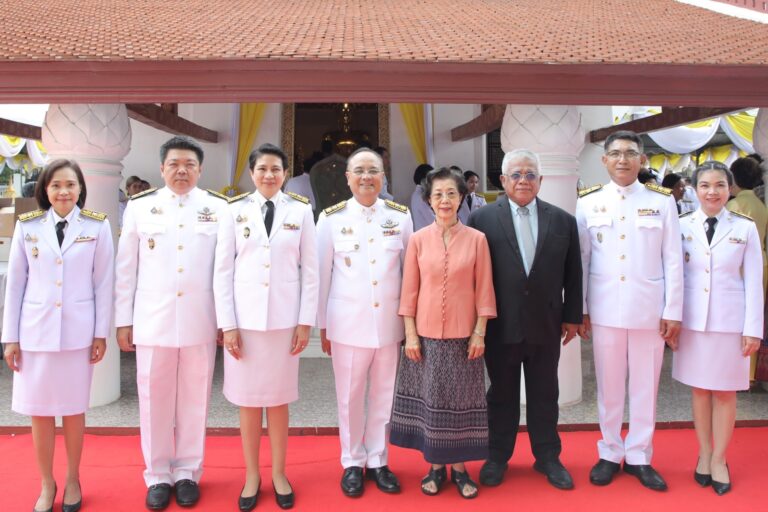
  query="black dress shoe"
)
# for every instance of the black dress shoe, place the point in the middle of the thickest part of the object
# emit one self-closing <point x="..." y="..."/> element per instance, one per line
<point x="386" y="481"/>
<point x="648" y="476"/>
<point x="72" y="507"/>
<point x="284" y="501"/>
<point x="248" y="503"/>
<point x="556" y="473"/>
<point x="721" y="488"/>
<point x="55" y="489"/>
<point x="603" y="472"/>
<point x="492" y="473"/>
<point x="187" y="493"/>
<point x="158" y="496"/>
<point x="702" y="479"/>
<point x="352" y="482"/>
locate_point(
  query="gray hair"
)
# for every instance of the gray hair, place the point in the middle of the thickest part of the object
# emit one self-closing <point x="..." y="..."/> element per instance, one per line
<point x="520" y="154"/>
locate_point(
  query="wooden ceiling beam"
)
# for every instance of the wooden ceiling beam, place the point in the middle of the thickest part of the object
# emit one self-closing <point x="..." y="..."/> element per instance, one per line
<point x="16" y="129"/>
<point x="163" y="118"/>
<point x="668" y="118"/>
<point x="488" y="121"/>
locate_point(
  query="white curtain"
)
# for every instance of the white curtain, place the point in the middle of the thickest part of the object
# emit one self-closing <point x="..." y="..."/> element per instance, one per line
<point x="740" y="142"/>
<point x="685" y="139"/>
<point x="11" y="146"/>
<point x="37" y="153"/>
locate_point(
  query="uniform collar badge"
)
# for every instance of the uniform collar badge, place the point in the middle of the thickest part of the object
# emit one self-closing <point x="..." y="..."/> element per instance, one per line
<point x="156" y="211"/>
<point x="241" y="218"/>
<point x="346" y="231"/>
<point x="30" y="238"/>
<point x="246" y="233"/>
<point x="389" y="224"/>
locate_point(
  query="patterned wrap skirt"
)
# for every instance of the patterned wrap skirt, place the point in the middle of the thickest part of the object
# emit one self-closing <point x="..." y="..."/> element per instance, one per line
<point x="440" y="407"/>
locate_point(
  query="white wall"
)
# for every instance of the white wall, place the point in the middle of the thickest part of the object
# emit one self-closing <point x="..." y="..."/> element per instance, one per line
<point x="590" y="165"/>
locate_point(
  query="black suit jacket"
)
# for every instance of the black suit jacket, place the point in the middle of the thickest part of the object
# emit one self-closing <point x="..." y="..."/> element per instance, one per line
<point x="531" y="308"/>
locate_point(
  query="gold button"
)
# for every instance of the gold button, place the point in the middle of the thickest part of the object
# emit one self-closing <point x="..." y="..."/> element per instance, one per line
<point x="181" y="205"/>
<point x="357" y="246"/>
<point x="370" y="240"/>
<point x="368" y="220"/>
<point x="623" y="278"/>
<point x="58" y="304"/>
<point x="622" y="257"/>
<point x="180" y="247"/>
<point x="266" y="265"/>
<point x="373" y="261"/>
<point x="706" y="290"/>
<point x="179" y="294"/>
<point x="622" y="237"/>
<point x="266" y="284"/>
<point x="707" y="253"/>
<point x="181" y="225"/>
<point x="375" y="304"/>
<point x="180" y="270"/>
<point x="58" y="283"/>
<point x="58" y="261"/>
<point x="375" y="282"/>
<point x="706" y="270"/>
<point x="623" y="197"/>
<point x="622" y="218"/>
<point x="266" y="246"/>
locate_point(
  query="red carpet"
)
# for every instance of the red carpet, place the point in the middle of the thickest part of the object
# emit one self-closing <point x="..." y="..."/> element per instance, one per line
<point x="112" y="481"/>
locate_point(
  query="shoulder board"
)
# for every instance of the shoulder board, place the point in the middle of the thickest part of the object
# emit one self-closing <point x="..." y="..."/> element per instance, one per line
<point x="658" y="188"/>
<point x="685" y="214"/>
<point x="142" y="194"/>
<point x="396" y="206"/>
<point x="589" y="190"/>
<point x="93" y="215"/>
<point x="335" y="208"/>
<point x="217" y="194"/>
<point x="237" y="198"/>
<point x="743" y="216"/>
<point x="298" y="197"/>
<point x="31" y="215"/>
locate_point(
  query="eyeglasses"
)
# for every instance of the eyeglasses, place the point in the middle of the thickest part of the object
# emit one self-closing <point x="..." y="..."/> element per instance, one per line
<point x="617" y="155"/>
<point x="451" y="195"/>
<point x="369" y="172"/>
<point x="527" y="176"/>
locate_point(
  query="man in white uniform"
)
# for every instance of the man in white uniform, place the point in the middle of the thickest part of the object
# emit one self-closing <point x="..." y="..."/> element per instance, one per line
<point x="361" y="244"/>
<point x="633" y="284"/>
<point x="164" y="310"/>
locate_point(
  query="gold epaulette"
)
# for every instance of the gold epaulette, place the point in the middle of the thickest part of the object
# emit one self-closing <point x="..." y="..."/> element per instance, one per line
<point x="396" y="206"/>
<point x="237" y="198"/>
<point x="298" y="197"/>
<point x="658" y="188"/>
<point x="743" y="216"/>
<point x="142" y="194"/>
<point x="685" y="214"/>
<point x="218" y="194"/>
<point x="24" y="217"/>
<point x="335" y="208"/>
<point x="93" y="215"/>
<point x="589" y="190"/>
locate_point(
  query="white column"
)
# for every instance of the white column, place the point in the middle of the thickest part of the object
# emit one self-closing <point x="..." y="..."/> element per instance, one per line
<point x="556" y="134"/>
<point x="98" y="137"/>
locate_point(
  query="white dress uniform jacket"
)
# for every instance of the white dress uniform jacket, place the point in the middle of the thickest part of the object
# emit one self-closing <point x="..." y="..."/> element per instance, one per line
<point x="719" y="296"/>
<point x="164" y="268"/>
<point x="262" y="282"/>
<point x="631" y="256"/>
<point x="360" y="251"/>
<point x="59" y="298"/>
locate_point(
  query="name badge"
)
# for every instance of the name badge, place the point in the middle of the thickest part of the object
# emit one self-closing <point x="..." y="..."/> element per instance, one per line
<point x="648" y="212"/>
<point x="736" y="240"/>
<point x="85" y="239"/>
<point x="291" y="227"/>
<point x="390" y="232"/>
<point x="206" y="215"/>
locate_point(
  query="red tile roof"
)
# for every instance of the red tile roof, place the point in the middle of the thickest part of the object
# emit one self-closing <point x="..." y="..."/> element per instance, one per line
<point x="489" y="31"/>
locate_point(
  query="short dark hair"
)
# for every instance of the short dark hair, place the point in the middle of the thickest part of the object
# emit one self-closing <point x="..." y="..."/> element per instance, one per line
<point x="421" y="172"/>
<point x="456" y="168"/>
<point x="711" y="165"/>
<point x="469" y="174"/>
<point x="670" y="180"/>
<point x="645" y="175"/>
<point x="181" y="142"/>
<point x="757" y="157"/>
<point x="267" y="149"/>
<point x="443" y="173"/>
<point x="746" y="173"/>
<point x="41" y="192"/>
<point x="624" y="135"/>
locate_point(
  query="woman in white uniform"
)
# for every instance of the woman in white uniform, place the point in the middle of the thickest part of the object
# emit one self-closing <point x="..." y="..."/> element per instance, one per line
<point x="722" y="317"/>
<point x="474" y="200"/>
<point x="266" y="291"/>
<point x="58" y="304"/>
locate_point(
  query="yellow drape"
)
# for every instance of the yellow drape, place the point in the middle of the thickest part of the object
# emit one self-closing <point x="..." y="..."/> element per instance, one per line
<point x="657" y="161"/>
<point x="413" y="116"/>
<point x="251" y="115"/>
<point x="742" y="123"/>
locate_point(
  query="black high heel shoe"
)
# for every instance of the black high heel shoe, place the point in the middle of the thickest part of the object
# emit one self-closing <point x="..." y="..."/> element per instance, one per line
<point x="721" y="488"/>
<point x="700" y="478"/>
<point x="74" y="507"/>
<point x="248" y="503"/>
<point x="284" y="501"/>
<point x="55" y="490"/>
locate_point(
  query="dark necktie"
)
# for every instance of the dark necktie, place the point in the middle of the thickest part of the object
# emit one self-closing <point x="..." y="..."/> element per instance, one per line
<point x="60" y="230"/>
<point x="469" y="201"/>
<point x="711" y="221"/>
<point x="270" y="216"/>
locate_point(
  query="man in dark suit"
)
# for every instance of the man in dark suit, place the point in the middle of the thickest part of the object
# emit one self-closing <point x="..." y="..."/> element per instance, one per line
<point x="537" y="277"/>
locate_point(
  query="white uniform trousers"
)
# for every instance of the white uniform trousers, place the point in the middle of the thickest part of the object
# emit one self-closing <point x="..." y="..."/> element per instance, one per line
<point x="174" y="387"/>
<point x="355" y="369"/>
<point x="640" y="353"/>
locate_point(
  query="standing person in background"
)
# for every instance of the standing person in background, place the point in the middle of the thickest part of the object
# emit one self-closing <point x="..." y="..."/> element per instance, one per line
<point x="361" y="243"/>
<point x="689" y="202"/>
<point x="385" y="192"/>
<point x="474" y="200"/>
<point x="57" y="316"/>
<point x="420" y="209"/>
<point x="722" y="317"/>
<point x="629" y="237"/>
<point x="265" y="284"/>
<point x="675" y="183"/>
<point x="300" y="184"/>
<point x="164" y="311"/>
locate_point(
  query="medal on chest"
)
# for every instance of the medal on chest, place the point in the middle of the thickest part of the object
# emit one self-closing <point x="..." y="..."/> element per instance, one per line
<point x="151" y="243"/>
